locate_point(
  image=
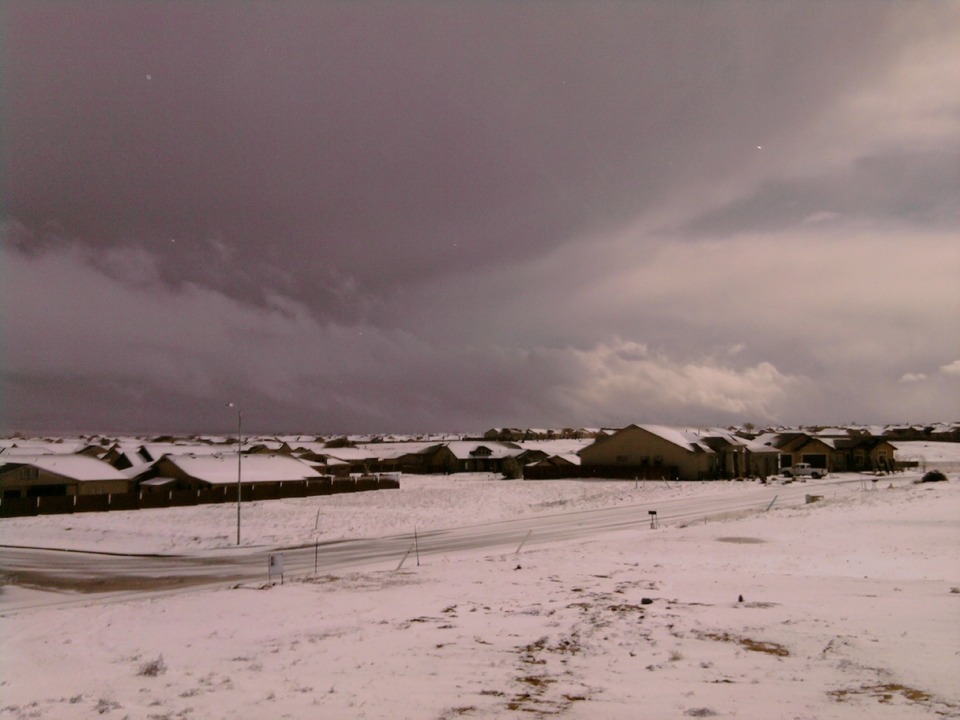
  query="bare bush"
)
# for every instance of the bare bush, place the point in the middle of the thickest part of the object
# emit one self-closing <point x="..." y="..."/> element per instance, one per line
<point x="152" y="668"/>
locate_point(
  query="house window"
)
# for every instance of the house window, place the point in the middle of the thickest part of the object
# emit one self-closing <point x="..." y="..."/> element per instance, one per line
<point x="657" y="460"/>
<point x="29" y="473"/>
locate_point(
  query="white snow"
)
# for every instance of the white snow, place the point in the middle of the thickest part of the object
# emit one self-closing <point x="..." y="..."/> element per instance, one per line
<point x="221" y="469"/>
<point x="851" y="609"/>
<point x="930" y="454"/>
<point x="75" y="467"/>
<point x="687" y="440"/>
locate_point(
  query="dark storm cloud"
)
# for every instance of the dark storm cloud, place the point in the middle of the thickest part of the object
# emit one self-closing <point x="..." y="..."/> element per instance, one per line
<point x="392" y="215"/>
<point x="379" y="143"/>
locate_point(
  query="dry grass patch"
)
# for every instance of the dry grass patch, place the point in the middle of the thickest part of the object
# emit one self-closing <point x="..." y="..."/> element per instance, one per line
<point x="762" y="646"/>
<point x="883" y="692"/>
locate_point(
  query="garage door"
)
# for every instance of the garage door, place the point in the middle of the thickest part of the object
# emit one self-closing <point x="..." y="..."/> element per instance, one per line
<point x="817" y="461"/>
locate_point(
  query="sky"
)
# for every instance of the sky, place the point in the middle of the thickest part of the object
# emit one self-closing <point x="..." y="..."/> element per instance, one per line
<point x="450" y="216"/>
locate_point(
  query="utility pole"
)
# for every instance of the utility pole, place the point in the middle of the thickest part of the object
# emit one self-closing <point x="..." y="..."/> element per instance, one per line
<point x="239" y="455"/>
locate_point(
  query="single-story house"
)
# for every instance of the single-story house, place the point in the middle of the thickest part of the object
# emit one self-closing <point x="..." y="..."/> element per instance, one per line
<point x="471" y="456"/>
<point x="196" y="472"/>
<point x="59" y="474"/>
<point x="836" y="454"/>
<point x="650" y="451"/>
<point x="553" y="467"/>
<point x="864" y="453"/>
<point x="739" y="457"/>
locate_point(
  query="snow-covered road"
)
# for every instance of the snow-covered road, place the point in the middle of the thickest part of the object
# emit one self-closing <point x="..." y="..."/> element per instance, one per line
<point x="124" y="575"/>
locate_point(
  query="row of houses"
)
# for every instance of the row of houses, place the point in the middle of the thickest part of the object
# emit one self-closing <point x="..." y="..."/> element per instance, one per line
<point x="26" y="476"/>
<point x="695" y="454"/>
<point x="35" y="469"/>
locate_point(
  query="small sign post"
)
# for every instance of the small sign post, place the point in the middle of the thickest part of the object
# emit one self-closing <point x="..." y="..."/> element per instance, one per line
<point x="654" y="523"/>
<point x="275" y="567"/>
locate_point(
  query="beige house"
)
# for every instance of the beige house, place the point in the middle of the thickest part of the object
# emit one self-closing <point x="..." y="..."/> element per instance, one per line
<point x="195" y="472"/>
<point x="59" y="474"/>
<point x="650" y="451"/>
<point x="658" y="451"/>
<point x="836" y="454"/>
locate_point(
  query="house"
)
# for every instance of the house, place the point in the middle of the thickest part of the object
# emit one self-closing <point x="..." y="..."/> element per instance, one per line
<point x="59" y="475"/>
<point x="836" y="454"/>
<point x="553" y="467"/>
<point x="198" y="472"/>
<point x="650" y="451"/>
<point x="350" y="459"/>
<point x="864" y="454"/>
<point x="740" y="456"/>
<point x="802" y="447"/>
<point x="505" y="434"/>
<point x="470" y="456"/>
<point x="658" y="451"/>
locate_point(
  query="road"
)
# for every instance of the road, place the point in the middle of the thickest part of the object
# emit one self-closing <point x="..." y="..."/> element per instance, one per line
<point x="115" y="576"/>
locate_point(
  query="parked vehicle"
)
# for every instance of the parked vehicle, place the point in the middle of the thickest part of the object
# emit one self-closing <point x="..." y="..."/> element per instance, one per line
<point x="804" y="470"/>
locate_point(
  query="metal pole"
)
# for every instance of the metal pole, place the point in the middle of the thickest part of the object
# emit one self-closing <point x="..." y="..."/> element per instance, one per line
<point x="239" y="448"/>
<point x="316" y="542"/>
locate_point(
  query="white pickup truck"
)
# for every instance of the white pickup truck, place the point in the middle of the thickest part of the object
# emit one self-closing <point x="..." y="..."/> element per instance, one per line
<point x="804" y="470"/>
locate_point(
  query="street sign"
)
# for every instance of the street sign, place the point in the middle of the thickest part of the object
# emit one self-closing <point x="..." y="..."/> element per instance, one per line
<point x="275" y="567"/>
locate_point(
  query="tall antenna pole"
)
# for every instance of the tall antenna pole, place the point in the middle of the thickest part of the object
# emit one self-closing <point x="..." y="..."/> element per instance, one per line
<point x="239" y="451"/>
<point x="239" y="455"/>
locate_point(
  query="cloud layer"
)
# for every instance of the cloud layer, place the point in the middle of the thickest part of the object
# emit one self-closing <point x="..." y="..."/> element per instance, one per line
<point x="398" y="217"/>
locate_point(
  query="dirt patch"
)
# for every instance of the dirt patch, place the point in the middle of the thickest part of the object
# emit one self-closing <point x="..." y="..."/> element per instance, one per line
<point x="37" y="580"/>
<point x="770" y="648"/>
<point x="886" y="693"/>
<point x="741" y="540"/>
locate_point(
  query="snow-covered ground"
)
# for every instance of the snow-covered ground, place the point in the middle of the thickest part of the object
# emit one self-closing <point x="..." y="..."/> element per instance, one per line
<point x="944" y="456"/>
<point x="422" y="502"/>
<point x="850" y="609"/>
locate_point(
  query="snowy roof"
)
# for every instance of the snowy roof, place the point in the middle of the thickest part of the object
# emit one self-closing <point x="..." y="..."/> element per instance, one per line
<point x="769" y="439"/>
<point x="376" y="451"/>
<point x="158" y="481"/>
<point x="74" y="467"/>
<point x="758" y="447"/>
<point x="349" y="453"/>
<point x="397" y="449"/>
<point x="315" y="446"/>
<point x="832" y="432"/>
<point x="554" y="460"/>
<point x="565" y="446"/>
<point x="158" y="450"/>
<point x="466" y="449"/>
<point x="27" y="447"/>
<point x="686" y="439"/>
<point x="137" y="469"/>
<point x="222" y="469"/>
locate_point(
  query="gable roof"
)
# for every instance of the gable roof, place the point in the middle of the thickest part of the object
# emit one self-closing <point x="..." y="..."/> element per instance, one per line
<point x="72" y="467"/>
<point x="222" y="469"/>
<point x="466" y="449"/>
<point x="688" y="440"/>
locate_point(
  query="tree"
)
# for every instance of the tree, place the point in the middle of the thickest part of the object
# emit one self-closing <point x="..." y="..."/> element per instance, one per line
<point x="511" y="469"/>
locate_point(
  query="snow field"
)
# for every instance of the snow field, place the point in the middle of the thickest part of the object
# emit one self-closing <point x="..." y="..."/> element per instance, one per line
<point x="851" y="609"/>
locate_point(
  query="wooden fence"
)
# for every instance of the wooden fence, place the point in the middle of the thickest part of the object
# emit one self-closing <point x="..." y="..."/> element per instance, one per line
<point x="143" y="500"/>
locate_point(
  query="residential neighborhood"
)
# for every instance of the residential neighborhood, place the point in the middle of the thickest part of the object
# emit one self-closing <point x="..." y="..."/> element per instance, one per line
<point x="91" y="473"/>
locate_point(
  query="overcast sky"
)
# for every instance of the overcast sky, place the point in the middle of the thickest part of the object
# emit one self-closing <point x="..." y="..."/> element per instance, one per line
<point x="449" y="216"/>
